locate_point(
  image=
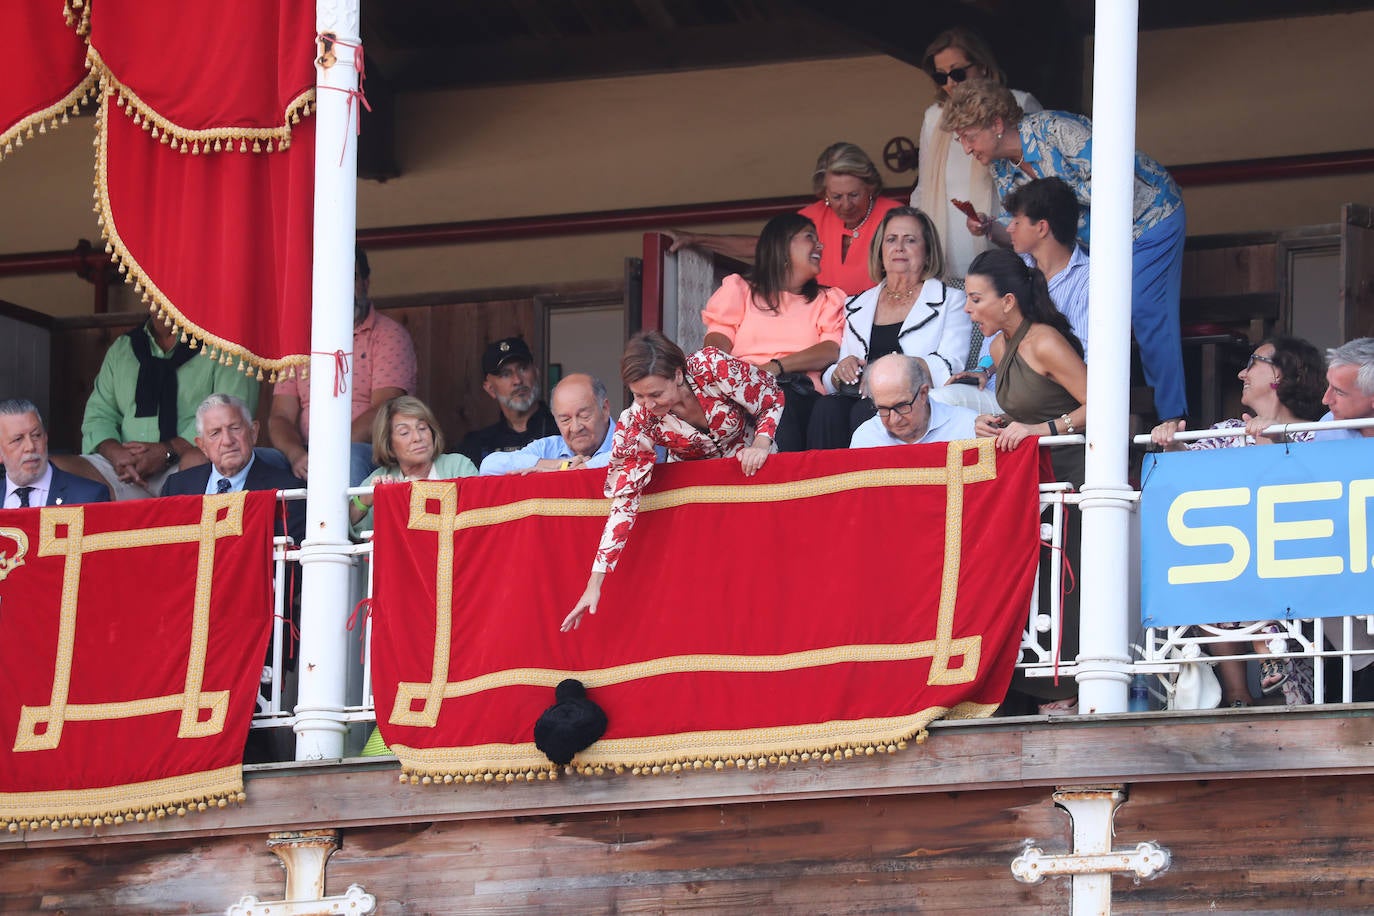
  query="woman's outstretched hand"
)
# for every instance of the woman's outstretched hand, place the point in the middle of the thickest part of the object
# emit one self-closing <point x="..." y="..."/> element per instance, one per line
<point x="586" y="604"/>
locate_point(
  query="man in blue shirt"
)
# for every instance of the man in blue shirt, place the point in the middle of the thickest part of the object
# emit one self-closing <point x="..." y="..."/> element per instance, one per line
<point x="900" y="388"/>
<point x="1044" y="220"/>
<point x="585" y="433"/>
<point x="1349" y="388"/>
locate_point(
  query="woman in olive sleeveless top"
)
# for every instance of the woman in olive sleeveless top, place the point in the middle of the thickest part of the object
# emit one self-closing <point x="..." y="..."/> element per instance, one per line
<point x="1042" y="387"/>
<point x="1042" y="381"/>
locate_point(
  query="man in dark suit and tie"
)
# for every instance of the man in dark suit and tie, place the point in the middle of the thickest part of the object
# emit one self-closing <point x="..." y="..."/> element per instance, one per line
<point x="225" y="432"/>
<point x="30" y="478"/>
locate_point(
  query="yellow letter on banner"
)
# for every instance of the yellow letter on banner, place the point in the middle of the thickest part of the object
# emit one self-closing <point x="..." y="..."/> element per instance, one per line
<point x="1360" y="493"/>
<point x="1269" y="532"/>
<point x="1209" y="535"/>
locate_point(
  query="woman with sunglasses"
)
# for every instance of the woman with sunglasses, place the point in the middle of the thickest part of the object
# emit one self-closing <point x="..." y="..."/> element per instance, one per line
<point x="1282" y="382"/>
<point x="910" y="311"/>
<point x="846" y="215"/>
<point x="946" y="170"/>
<point x="1018" y="148"/>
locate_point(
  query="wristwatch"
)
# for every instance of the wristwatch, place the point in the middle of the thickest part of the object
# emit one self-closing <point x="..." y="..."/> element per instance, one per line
<point x="172" y="456"/>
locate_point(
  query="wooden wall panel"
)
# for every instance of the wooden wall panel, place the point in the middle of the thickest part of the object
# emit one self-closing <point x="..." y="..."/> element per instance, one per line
<point x="449" y="332"/>
<point x="1238" y="846"/>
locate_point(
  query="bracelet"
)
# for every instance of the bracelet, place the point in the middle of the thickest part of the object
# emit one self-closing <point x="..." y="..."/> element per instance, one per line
<point x="1068" y="424"/>
<point x="358" y="503"/>
<point x="781" y="370"/>
<point x="1054" y="430"/>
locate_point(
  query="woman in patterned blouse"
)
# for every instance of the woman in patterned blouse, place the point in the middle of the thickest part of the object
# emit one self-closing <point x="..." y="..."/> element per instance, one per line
<point x="1283" y="382"/>
<point x="707" y="405"/>
<point x="1018" y="148"/>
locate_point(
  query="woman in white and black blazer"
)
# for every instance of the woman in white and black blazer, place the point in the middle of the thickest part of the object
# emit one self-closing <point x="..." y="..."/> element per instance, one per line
<point x="911" y="310"/>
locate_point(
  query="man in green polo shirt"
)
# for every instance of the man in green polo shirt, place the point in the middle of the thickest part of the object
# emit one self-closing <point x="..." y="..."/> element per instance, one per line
<point x="140" y="420"/>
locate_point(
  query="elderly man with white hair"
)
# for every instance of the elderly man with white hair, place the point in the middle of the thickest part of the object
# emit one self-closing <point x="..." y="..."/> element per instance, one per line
<point x="900" y="388"/>
<point x="226" y="432"/>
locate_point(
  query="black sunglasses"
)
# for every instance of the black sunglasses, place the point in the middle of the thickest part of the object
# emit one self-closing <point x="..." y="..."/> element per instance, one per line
<point x="958" y="74"/>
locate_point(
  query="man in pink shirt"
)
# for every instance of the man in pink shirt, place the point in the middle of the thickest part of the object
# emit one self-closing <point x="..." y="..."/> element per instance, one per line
<point x="383" y="362"/>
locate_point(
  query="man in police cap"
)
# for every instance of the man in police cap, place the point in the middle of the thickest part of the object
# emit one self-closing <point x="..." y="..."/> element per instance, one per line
<point x="512" y="380"/>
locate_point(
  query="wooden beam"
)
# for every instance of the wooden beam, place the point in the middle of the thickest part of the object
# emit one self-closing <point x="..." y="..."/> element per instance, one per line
<point x="987" y="754"/>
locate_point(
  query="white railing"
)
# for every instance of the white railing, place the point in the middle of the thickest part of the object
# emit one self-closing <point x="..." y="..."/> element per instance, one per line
<point x="1162" y="654"/>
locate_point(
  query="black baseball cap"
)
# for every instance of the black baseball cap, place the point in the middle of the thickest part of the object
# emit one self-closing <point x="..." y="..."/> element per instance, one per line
<point x="499" y="352"/>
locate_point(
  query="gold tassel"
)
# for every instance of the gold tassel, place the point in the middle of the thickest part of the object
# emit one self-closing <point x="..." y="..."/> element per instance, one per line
<point x="257" y="147"/>
<point x="243" y="146"/>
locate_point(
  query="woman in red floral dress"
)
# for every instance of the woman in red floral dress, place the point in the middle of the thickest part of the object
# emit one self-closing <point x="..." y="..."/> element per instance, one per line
<point x="707" y="405"/>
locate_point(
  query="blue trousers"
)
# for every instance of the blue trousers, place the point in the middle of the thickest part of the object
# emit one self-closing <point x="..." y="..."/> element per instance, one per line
<point x="1156" y="281"/>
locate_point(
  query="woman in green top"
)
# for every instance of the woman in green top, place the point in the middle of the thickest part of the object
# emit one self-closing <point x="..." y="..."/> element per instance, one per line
<point x="407" y="444"/>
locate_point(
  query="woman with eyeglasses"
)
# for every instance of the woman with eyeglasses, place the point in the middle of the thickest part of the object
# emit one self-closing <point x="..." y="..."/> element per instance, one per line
<point x="1018" y="148"/>
<point x="910" y="311"/>
<point x="1282" y="382"/>
<point x="846" y="216"/>
<point x="947" y="171"/>
<point x="1042" y="388"/>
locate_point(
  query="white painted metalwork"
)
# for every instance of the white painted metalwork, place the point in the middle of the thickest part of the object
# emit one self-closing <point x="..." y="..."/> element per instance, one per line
<point x="324" y="557"/>
<point x="1104" y="628"/>
<point x="305" y="856"/>
<point x="1092" y="862"/>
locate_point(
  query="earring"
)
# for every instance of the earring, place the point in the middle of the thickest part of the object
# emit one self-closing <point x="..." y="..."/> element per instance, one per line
<point x="1274" y="385"/>
<point x="999" y="135"/>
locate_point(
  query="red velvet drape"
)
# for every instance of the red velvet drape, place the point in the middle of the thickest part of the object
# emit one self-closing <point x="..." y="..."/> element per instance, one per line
<point x="205" y="161"/>
<point x="43" y="62"/>
<point x="131" y="644"/>
<point x="835" y="603"/>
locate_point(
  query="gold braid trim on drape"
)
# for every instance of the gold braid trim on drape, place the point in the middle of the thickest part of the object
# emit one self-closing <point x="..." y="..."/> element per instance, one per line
<point x="212" y="346"/>
<point x="50" y="118"/>
<point x="115" y="805"/>
<point x="209" y="140"/>
<point x="744" y="750"/>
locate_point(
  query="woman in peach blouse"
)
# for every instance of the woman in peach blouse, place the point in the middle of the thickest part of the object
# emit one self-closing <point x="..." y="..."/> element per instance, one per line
<point x="781" y="319"/>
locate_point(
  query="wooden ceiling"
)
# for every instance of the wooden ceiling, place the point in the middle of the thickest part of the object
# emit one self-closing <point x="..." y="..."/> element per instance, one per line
<point x="418" y="45"/>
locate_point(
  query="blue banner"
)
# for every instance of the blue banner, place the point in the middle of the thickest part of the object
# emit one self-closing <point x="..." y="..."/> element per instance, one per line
<point x="1259" y="533"/>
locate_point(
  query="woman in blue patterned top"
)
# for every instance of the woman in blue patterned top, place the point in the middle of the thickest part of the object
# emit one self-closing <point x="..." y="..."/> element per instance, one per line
<point x="1019" y="148"/>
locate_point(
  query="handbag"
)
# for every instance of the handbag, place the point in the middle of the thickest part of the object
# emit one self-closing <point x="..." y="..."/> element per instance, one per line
<point x="797" y="385"/>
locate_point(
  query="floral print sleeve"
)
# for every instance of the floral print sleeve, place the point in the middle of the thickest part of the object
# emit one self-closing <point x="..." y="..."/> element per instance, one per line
<point x="752" y="388"/>
<point x="630" y="469"/>
<point x="1236" y="441"/>
<point x="740" y="401"/>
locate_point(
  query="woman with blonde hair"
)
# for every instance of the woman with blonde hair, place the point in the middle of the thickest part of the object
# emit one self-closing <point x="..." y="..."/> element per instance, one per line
<point x="1018" y="148"/>
<point x="946" y="171"/>
<point x="407" y="444"/>
<point x="846" y="216"/>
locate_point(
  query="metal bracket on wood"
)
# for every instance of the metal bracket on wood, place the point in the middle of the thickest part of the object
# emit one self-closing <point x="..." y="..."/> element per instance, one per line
<point x="304" y="855"/>
<point x="1092" y="861"/>
<point x="1032" y="866"/>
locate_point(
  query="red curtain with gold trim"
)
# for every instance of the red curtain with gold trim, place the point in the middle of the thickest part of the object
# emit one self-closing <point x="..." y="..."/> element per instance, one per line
<point x="834" y="604"/>
<point x="205" y="157"/>
<point x="132" y="637"/>
<point x="216" y="238"/>
<point x="44" y="70"/>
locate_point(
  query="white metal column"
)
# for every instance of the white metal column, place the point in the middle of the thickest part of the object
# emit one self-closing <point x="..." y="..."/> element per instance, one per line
<point x="319" y="725"/>
<point x="1104" y="630"/>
